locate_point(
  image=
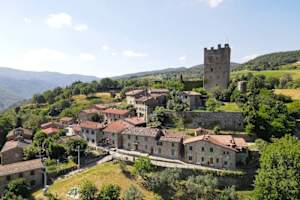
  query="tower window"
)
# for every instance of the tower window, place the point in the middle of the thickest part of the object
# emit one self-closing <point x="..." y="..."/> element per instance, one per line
<point x="211" y="69"/>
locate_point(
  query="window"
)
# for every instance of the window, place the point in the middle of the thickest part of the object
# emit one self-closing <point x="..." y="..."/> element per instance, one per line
<point x="211" y="149"/>
<point x="32" y="173"/>
<point x="202" y="148"/>
<point x="202" y="159"/>
<point x="173" y="144"/>
<point x="211" y="69"/>
<point x="225" y="162"/>
<point x="146" y="147"/>
<point x="20" y="175"/>
<point x="128" y="145"/>
<point x="128" y="136"/>
<point x="190" y="157"/>
<point x="93" y="141"/>
<point x="217" y="160"/>
<point x="191" y="148"/>
<point x="136" y="138"/>
<point x="172" y="152"/>
<point x="224" y="152"/>
<point x="227" y="152"/>
<point x="92" y="132"/>
<point x="8" y="178"/>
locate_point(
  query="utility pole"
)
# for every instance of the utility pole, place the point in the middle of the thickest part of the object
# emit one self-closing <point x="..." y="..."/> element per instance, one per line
<point x="78" y="155"/>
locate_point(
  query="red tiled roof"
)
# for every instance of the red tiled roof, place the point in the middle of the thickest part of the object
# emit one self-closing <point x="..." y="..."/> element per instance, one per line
<point x="152" y="132"/>
<point x="135" y="120"/>
<point x="226" y="141"/>
<point x="50" y="131"/>
<point x="117" y="126"/>
<point x="66" y="119"/>
<point x="91" y="125"/>
<point x="116" y="111"/>
<point x="19" y="167"/>
<point x="101" y="106"/>
<point x="77" y="128"/>
<point x="134" y="92"/>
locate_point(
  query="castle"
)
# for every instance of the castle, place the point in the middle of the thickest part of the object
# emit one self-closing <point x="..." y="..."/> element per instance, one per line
<point x="216" y="67"/>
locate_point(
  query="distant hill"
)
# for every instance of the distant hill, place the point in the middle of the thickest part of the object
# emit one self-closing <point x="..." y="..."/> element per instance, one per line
<point x="17" y="85"/>
<point x="271" y="61"/>
<point x="194" y="72"/>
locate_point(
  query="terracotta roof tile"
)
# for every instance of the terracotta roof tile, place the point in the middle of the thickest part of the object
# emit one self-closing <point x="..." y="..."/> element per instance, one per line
<point x="66" y="119"/>
<point x="90" y="111"/>
<point x="134" y="92"/>
<point x="117" y="126"/>
<point x="50" y="131"/>
<point x="152" y="132"/>
<point x="18" y="167"/>
<point x="135" y="120"/>
<point x="226" y="141"/>
<point x="101" y="106"/>
<point x="91" y="125"/>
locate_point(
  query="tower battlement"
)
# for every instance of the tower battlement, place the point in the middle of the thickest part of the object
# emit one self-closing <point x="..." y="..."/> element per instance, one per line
<point x="216" y="67"/>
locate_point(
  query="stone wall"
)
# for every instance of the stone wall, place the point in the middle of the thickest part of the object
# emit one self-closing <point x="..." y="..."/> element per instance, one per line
<point x="230" y="121"/>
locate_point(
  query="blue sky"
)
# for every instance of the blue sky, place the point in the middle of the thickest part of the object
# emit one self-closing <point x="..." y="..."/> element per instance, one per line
<point x="114" y="37"/>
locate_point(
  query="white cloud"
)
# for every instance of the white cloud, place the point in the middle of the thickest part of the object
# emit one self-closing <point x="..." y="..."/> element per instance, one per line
<point x="87" y="57"/>
<point x="59" y="20"/>
<point x="105" y="48"/>
<point x="182" y="58"/>
<point x="80" y="27"/>
<point x="129" y="53"/>
<point x="249" y="57"/>
<point x="27" y="20"/>
<point x="212" y="3"/>
<point x="114" y="53"/>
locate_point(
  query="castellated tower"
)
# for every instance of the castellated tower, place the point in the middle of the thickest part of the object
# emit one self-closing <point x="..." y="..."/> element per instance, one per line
<point x="216" y="67"/>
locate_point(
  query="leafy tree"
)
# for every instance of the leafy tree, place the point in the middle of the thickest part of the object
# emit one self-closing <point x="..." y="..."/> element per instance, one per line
<point x="266" y="116"/>
<point x="176" y="103"/>
<point x="19" y="187"/>
<point x="278" y="176"/>
<point x="143" y="165"/>
<point x="212" y="104"/>
<point x="73" y="144"/>
<point x="56" y="151"/>
<point x="39" y="99"/>
<point x="30" y="152"/>
<point x="228" y="194"/>
<point x="88" y="191"/>
<point x="158" y="118"/>
<point x="217" y="129"/>
<point x="200" y="90"/>
<point x="11" y="196"/>
<point x="110" y="192"/>
<point x="133" y="194"/>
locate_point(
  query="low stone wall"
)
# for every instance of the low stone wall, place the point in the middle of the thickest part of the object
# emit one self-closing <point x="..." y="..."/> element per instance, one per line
<point x="230" y="121"/>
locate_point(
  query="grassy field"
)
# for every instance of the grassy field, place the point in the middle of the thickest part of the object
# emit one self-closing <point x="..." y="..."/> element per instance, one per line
<point x="102" y="174"/>
<point x="230" y="107"/>
<point x="270" y="73"/>
<point x="293" y="93"/>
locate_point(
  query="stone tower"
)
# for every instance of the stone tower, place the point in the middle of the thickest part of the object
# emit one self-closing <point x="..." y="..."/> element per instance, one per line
<point x="216" y="67"/>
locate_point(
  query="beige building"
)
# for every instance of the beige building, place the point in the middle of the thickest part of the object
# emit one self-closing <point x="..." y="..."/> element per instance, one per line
<point x="219" y="151"/>
<point x="142" y="139"/>
<point x="194" y="99"/>
<point x="31" y="170"/>
<point x="170" y="146"/>
<point x="19" y="133"/>
<point x="88" y="114"/>
<point x="113" y="114"/>
<point x="132" y="95"/>
<point x="92" y="132"/>
<point x="12" y="151"/>
<point x="113" y="131"/>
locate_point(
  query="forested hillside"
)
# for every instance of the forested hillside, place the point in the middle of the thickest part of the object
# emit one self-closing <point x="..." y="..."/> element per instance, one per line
<point x="271" y="61"/>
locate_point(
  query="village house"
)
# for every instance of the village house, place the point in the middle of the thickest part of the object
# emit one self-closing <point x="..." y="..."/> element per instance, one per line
<point x="31" y="170"/>
<point x="170" y="146"/>
<point x="136" y="121"/>
<point x="112" y="114"/>
<point x="51" y="131"/>
<point x="19" y="132"/>
<point x="88" y="114"/>
<point x="146" y="105"/>
<point x="219" y="151"/>
<point x="92" y="132"/>
<point x="66" y="121"/>
<point x="194" y="99"/>
<point x="51" y="125"/>
<point x="142" y="139"/>
<point x="113" y="132"/>
<point x="12" y="150"/>
<point x="158" y="91"/>
<point x="132" y="95"/>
